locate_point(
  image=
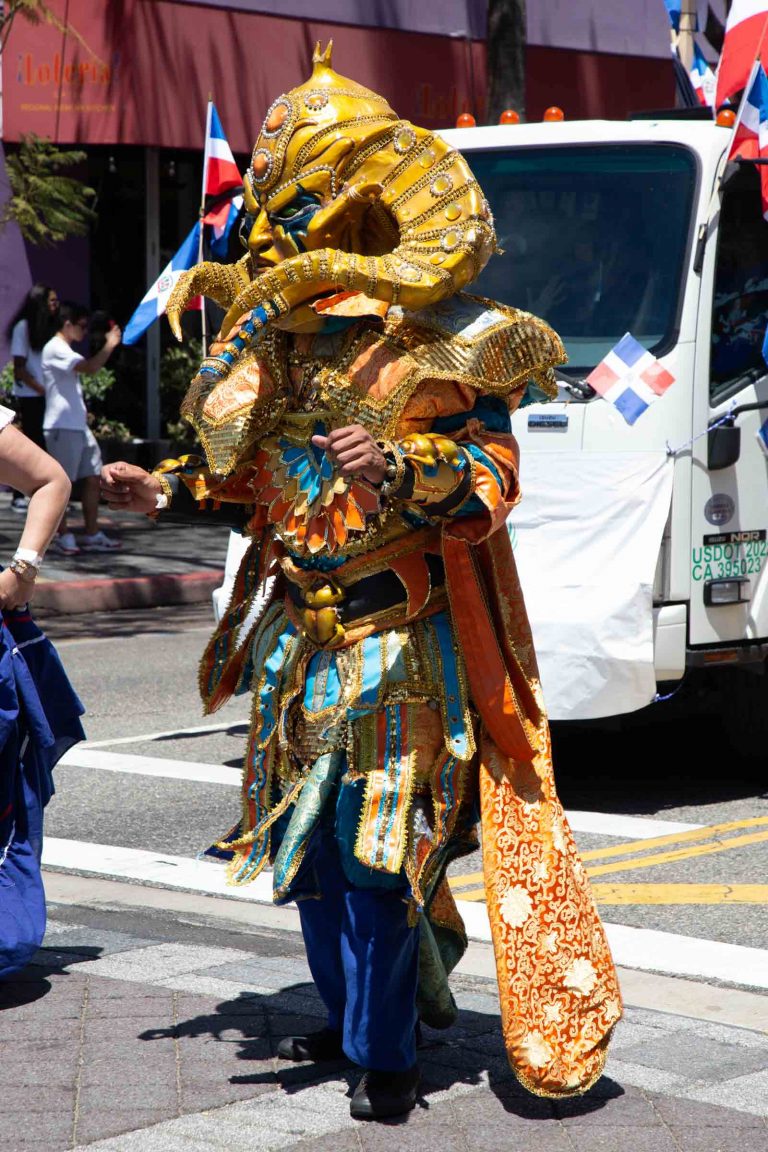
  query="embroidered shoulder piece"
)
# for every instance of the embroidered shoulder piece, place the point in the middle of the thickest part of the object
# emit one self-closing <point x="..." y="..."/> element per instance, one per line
<point x="466" y="341"/>
<point x="490" y="347"/>
<point x="230" y="415"/>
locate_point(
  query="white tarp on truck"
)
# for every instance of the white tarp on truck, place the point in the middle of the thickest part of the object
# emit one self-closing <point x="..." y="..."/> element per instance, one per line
<point x="586" y="536"/>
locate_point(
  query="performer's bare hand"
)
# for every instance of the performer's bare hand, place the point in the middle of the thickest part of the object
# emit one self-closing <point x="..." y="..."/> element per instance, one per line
<point x="129" y="488"/>
<point x="355" y="452"/>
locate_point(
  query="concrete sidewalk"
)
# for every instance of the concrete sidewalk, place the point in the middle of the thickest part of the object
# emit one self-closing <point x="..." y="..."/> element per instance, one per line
<point x="159" y="563"/>
<point x="147" y="1028"/>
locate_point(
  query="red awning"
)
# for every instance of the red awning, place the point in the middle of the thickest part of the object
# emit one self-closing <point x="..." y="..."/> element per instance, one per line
<point x="140" y="72"/>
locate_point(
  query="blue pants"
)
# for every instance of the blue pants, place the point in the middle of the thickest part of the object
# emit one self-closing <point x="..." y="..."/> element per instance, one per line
<point x="364" y="960"/>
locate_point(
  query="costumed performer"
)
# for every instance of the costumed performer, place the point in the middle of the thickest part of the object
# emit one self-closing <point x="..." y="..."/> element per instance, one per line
<point x="356" y="414"/>
<point x="39" y="711"/>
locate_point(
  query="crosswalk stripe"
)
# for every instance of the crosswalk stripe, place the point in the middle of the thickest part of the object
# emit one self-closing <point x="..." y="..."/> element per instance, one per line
<point x="151" y="867"/>
<point x="176" y="733"/>
<point x="93" y="755"/>
<point x="190" y="770"/>
<point x="632" y="947"/>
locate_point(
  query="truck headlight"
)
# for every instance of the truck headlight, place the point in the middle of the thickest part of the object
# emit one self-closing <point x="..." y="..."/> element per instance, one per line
<point x="735" y="590"/>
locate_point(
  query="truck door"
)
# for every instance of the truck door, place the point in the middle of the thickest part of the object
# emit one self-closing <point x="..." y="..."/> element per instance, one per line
<point x="729" y="513"/>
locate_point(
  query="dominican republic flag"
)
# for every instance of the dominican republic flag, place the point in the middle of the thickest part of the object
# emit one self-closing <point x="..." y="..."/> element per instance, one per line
<point x="702" y="78"/>
<point x="743" y="36"/>
<point x="219" y="238"/>
<point x="750" y="138"/>
<point x="156" y="299"/>
<point x="220" y="172"/>
<point x="630" y="378"/>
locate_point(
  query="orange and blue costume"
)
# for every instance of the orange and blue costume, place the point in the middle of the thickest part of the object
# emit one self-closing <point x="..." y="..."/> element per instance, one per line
<point x="395" y="692"/>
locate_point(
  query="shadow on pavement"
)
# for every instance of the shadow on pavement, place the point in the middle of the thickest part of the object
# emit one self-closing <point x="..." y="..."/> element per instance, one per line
<point x="32" y="982"/>
<point x="470" y="1053"/>
<point x="643" y="767"/>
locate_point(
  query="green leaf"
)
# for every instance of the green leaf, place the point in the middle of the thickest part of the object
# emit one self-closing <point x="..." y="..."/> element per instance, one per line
<point x="47" y="206"/>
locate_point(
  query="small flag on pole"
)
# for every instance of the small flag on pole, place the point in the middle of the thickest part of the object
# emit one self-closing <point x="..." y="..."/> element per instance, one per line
<point x="744" y="39"/>
<point x="630" y="378"/>
<point x="156" y="299"/>
<point x="220" y="175"/>
<point x="702" y="78"/>
<point x="750" y="138"/>
<point x="220" y="172"/>
<point x="219" y="240"/>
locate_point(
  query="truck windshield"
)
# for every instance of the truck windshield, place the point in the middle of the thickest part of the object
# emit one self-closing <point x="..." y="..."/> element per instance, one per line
<point x="594" y="240"/>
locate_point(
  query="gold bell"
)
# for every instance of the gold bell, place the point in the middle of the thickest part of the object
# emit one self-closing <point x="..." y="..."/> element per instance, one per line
<point x="445" y="448"/>
<point x="323" y="627"/>
<point x="419" y="448"/>
<point x="324" y="595"/>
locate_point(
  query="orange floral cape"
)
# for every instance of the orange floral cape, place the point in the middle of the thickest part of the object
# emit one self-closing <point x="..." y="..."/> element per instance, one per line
<point x="558" y="987"/>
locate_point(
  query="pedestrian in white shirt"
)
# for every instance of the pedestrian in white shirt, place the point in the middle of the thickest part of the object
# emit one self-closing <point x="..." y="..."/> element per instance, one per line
<point x="29" y="331"/>
<point x="67" y="435"/>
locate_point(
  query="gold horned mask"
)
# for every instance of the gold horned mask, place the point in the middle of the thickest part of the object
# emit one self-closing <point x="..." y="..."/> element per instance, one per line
<point x="341" y="195"/>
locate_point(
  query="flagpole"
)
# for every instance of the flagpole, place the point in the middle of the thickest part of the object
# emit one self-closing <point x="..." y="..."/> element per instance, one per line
<point x="208" y="115"/>
<point x="747" y="88"/>
<point x="685" y="37"/>
<point x="739" y="114"/>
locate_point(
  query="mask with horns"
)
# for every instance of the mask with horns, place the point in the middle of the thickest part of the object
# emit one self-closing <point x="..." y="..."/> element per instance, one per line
<point x="341" y="194"/>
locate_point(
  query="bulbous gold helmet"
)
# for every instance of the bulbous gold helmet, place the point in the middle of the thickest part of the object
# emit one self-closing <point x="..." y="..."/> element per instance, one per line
<point x="400" y="218"/>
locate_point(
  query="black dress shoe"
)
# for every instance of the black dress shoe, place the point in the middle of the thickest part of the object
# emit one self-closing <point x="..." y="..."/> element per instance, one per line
<point x="317" y="1046"/>
<point x="383" y="1094"/>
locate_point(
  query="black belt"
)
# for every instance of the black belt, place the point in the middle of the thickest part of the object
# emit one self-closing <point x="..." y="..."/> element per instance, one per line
<point x="370" y="594"/>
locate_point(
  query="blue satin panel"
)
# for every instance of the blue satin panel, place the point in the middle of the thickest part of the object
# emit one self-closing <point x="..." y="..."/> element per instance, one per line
<point x="453" y="713"/>
<point x="39" y="720"/>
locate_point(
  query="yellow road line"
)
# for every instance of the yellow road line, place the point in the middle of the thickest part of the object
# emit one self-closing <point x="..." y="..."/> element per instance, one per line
<point x="471" y="894"/>
<point x="606" y="894"/>
<point x="461" y="881"/>
<point x="704" y="833"/>
<point x="679" y="854"/>
<point x="681" y="893"/>
<point x="631" y="865"/>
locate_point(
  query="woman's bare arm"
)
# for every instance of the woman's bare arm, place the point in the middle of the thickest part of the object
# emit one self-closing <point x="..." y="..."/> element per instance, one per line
<point x="28" y="469"/>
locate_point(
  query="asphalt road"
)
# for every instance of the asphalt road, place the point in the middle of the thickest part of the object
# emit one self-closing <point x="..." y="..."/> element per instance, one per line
<point x="136" y="673"/>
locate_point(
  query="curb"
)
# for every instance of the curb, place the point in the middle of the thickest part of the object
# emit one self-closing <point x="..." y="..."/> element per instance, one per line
<point x="104" y="594"/>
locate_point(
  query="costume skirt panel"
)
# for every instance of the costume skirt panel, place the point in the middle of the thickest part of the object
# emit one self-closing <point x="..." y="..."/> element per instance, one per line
<point x="387" y="721"/>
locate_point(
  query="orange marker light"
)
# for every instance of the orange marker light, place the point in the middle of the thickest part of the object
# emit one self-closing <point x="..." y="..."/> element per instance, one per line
<point x="466" y="120"/>
<point x="509" y="116"/>
<point x="553" y="113"/>
<point x="726" y="118"/>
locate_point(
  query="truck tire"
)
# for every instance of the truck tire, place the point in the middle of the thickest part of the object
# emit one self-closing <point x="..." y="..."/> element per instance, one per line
<point x="742" y="704"/>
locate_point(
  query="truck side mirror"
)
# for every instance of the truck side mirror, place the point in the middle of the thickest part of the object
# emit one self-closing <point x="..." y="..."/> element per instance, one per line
<point x="723" y="446"/>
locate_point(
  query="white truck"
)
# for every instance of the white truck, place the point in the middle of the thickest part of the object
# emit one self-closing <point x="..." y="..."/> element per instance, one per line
<point x="642" y="546"/>
<point x="625" y="227"/>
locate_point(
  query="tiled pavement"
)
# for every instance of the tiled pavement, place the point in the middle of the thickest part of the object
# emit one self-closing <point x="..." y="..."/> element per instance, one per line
<point x="136" y="1032"/>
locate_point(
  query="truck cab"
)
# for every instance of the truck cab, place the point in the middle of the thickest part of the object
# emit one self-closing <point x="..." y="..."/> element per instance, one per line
<point x="643" y="547"/>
